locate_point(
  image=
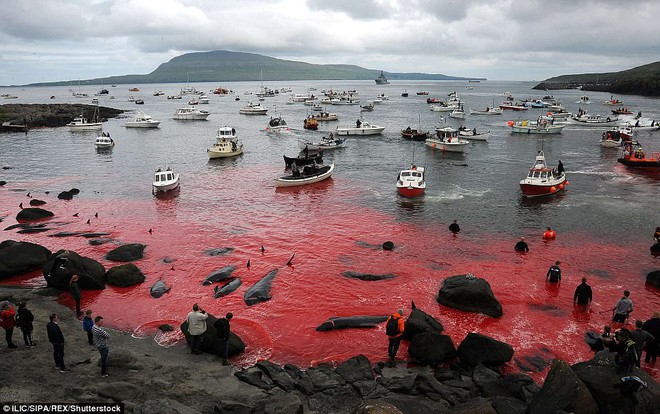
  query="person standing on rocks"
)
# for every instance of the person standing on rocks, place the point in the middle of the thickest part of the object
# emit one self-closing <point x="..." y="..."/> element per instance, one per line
<point x="623" y="308"/>
<point x="652" y="326"/>
<point x="8" y="322"/>
<point x="88" y="324"/>
<point x="394" y="328"/>
<point x="24" y="321"/>
<point x="76" y="295"/>
<point x="56" y="338"/>
<point x="583" y="294"/>
<point x="223" y="331"/>
<point x="101" y="337"/>
<point x="196" y="327"/>
<point x="641" y="338"/>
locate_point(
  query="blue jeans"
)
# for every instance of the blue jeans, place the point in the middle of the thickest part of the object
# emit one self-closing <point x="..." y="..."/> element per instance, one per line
<point x="104" y="359"/>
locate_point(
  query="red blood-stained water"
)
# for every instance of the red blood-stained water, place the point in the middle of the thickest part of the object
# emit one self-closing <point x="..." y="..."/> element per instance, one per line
<point x="329" y="235"/>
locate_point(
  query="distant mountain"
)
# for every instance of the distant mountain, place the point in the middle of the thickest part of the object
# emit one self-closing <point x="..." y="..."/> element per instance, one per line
<point x="642" y="80"/>
<point x="226" y="66"/>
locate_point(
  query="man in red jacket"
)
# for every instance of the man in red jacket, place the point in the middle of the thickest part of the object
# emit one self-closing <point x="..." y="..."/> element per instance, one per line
<point x="394" y="329"/>
<point x="8" y="322"/>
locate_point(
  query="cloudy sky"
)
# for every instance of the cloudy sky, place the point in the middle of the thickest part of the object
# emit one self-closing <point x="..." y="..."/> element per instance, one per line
<point x="51" y="40"/>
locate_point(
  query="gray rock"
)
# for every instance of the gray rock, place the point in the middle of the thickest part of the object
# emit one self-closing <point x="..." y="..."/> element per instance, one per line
<point x="323" y="377"/>
<point x="32" y="214"/>
<point x="124" y="275"/>
<point x="477" y="348"/>
<point x="166" y="406"/>
<point x="402" y="385"/>
<point x="355" y="369"/>
<point x="418" y="322"/>
<point x="653" y="278"/>
<point x="376" y="407"/>
<point x="255" y="376"/>
<point x="469" y="294"/>
<point x="431" y="348"/>
<point x="408" y="404"/>
<point x="127" y="253"/>
<point x="65" y="263"/>
<point x="277" y="375"/>
<point x="120" y="391"/>
<point x="17" y="258"/>
<point x="283" y="403"/>
<point x="508" y="405"/>
<point x="563" y="390"/>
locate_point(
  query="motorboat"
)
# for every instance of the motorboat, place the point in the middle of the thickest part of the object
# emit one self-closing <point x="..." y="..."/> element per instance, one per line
<point x="310" y="123"/>
<point x="307" y="156"/>
<point x="139" y="102"/>
<point x="142" y="120"/>
<point x="514" y="106"/>
<point x="612" y="101"/>
<point x="158" y="93"/>
<point x="360" y="128"/>
<point x="81" y="123"/>
<point x="383" y="97"/>
<point x="174" y="97"/>
<point x="584" y="100"/>
<point x="410" y="182"/>
<point x="447" y="140"/>
<point x="317" y="107"/>
<point x="457" y="113"/>
<point x="304" y="175"/>
<point x="326" y="116"/>
<point x="381" y="79"/>
<point x="369" y="106"/>
<point x="615" y="136"/>
<point x="473" y="134"/>
<point x="253" y="109"/>
<point x="638" y="126"/>
<point x="543" y="125"/>
<point x="621" y="111"/>
<point x="542" y="180"/>
<point x="191" y="113"/>
<point x="583" y="118"/>
<point x="404" y="94"/>
<point x="490" y="110"/>
<point x="326" y="143"/>
<point x="635" y="156"/>
<point x="414" y="134"/>
<point x="104" y="141"/>
<point x="422" y="93"/>
<point x="226" y="144"/>
<point x="165" y="180"/>
<point x="203" y="100"/>
<point x="442" y="107"/>
<point x="277" y="124"/>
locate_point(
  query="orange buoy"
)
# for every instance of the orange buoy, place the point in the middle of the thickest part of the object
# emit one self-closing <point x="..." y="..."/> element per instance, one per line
<point x="561" y="186"/>
<point x="553" y="189"/>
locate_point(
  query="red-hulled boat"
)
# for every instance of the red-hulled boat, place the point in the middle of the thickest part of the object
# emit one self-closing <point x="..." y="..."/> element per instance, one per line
<point x="635" y="156"/>
<point x="541" y="180"/>
<point x="411" y="182"/>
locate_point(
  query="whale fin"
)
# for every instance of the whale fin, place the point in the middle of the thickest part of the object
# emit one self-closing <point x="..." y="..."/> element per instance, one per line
<point x="248" y="264"/>
<point x="262" y="249"/>
<point x="413" y="304"/>
<point x="290" y="260"/>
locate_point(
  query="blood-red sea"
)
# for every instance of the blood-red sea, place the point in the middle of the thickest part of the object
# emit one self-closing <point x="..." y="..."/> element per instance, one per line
<point x="330" y="235"/>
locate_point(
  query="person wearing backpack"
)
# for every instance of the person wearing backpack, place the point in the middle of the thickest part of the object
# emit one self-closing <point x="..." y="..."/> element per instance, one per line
<point x="394" y="330"/>
<point x="626" y="357"/>
<point x="554" y="273"/>
<point x="24" y="319"/>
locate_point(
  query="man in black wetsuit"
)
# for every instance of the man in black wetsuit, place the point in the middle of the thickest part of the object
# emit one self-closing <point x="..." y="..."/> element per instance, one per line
<point x="560" y="168"/>
<point x="554" y="273"/>
<point x="454" y="227"/>
<point x="582" y="294"/>
<point x="521" y="246"/>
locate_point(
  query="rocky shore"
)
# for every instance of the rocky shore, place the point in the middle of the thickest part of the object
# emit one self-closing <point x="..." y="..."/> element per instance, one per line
<point x="148" y="378"/>
<point x="50" y="115"/>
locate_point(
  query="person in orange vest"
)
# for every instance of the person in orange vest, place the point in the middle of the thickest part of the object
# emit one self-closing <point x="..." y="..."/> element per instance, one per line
<point x="549" y="234"/>
<point x="394" y="328"/>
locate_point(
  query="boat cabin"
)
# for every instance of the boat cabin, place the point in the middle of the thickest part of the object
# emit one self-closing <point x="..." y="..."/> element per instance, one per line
<point x="163" y="176"/>
<point x="226" y="133"/>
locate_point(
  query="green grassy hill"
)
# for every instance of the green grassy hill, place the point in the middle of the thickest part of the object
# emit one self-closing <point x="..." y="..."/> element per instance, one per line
<point x="226" y="66"/>
<point x="642" y="80"/>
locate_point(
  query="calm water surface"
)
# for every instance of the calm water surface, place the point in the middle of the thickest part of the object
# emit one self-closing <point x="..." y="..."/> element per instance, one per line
<point x="605" y="219"/>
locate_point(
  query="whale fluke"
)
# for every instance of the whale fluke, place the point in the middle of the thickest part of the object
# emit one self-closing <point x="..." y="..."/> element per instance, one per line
<point x="290" y="260"/>
<point x="28" y="194"/>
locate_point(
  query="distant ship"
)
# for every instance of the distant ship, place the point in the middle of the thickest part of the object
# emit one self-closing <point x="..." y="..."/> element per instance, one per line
<point x="381" y="79"/>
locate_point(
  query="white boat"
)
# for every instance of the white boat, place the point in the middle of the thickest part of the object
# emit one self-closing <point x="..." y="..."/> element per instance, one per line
<point x="326" y="143"/>
<point x="226" y="144"/>
<point x="104" y="141"/>
<point x="303" y="175"/>
<point x="326" y="116"/>
<point x="159" y="93"/>
<point x="142" y="120"/>
<point x="277" y="124"/>
<point x="317" y="107"/>
<point x="83" y="124"/>
<point x="583" y="118"/>
<point x="360" y="128"/>
<point x="490" y="110"/>
<point x="458" y="113"/>
<point x="542" y="125"/>
<point x="191" y="113"/>
<point x="584" y="100"/>
<point x="542" y="180"/>
<point x="447" y="139"/>
<point x="638" y="126"/>
<point x="253" y="109"/>
<point x="165" y="180"/>
<point x="410" y="182"/>
<point x="203" y="100"/>
<point x="473" y="134"/>
<point x="441" y="107"/>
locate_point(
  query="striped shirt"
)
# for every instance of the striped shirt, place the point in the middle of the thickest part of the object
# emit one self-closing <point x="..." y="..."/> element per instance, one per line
<point x="100" y="337"/>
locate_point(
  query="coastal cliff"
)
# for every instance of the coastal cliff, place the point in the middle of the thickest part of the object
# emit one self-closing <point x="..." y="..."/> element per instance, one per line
<point x="51" y="115"/>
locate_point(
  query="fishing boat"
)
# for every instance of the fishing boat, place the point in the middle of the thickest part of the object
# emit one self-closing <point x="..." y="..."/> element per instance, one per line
<point x="189" y="113"/>
<point x="303" y="175"/>
<point x="369" y="106"/>
<point x="457" y="113"/>
<point x="142" y="120"/>
<point x="81" y="123"/>
<point x="381" y="79"/>
<point x="310" y="123"/>
<point x="584" y="100"/>
<point x="307" y="156"/>
<point x="621" y="111"/>
<point x="635" y="156"/>
<point x="360" y="128"/>
<point x="447" y="140"/>
<point x="612" y="101"/>
<point x="542" y="180"/>
<point x="277" y="124"/>
<point x="414" y="134"/>
<point x="253" y="109"/>
<point x="514" y="106"/>
<point x="226" y="144"/>
<point x="326" y="143"/>
<point x="326" y="116"/>
<point x="104" y="141"/>
<point x="543" y="125"/>
<point x="165" y="180"/>
<point x="410" y="182"/>
<point x="584" y="119"/>
<point x="490" y="110"/>
<point x="473" y="134"/>
<point x="612" y="138"/>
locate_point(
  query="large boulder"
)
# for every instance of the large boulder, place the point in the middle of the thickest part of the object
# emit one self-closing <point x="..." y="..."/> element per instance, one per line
<point x="419" y="322"/>
<point x="210" y="343"/>
<point x="17" y="258"/>
<point x="477" y="348"/>
<point x="563" y="390"/>
<point x="126" y="253"/>
<point x="653" y="278"/>
<point x="611" y="393"/>
<point x="356" y="369"/>
<point x="32" y="214"/>
<point x="469" y="293"/>
<point x="124" y="275"/>
<point x="431" y="348"/>
<point x="65" y="263"/>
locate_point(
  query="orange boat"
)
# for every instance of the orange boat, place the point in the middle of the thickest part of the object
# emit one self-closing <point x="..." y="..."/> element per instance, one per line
<point x="311" y="123"/>
<point x="635" y="156"/>
<point x="134" y="89"/>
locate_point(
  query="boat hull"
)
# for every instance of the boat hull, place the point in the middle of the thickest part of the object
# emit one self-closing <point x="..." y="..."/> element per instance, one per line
<point x="223" y="154"/>
<point x="447" y="146"/>
<point x="162" y="188"/>
<point x="533" y="129"/>
<point x="646" y="163"/>
<point x="410" y="192"/>
<point x="609" y="143"/>
<point x="130" y="124"/>
<point x="191" y="117"/>
<point x="86" y="127"/>
<point x="291" y="181"/>
<point x="531" y="189"/>
<point x="359" y="131"/>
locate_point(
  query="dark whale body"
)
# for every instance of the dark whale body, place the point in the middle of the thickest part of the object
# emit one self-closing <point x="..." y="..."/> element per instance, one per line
<point x="218" y="275"/>
<point x="351" y="322"/>
<point x="260" y="292"/>
<point x="227" y="288"/>
<point x="158" y="289"/>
